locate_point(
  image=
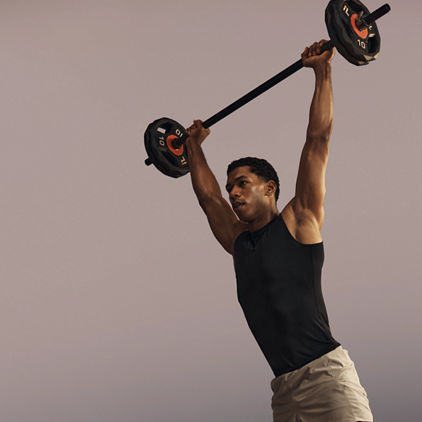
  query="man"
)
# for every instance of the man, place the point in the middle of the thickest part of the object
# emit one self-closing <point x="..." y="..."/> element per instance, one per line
<point x="278" y="259"/>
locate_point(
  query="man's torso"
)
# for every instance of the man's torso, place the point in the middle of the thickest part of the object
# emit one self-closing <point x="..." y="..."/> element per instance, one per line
<point x="279" y="290"/>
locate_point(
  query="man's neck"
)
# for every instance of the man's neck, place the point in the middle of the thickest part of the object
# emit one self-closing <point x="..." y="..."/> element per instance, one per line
<point x="263" y="219"/>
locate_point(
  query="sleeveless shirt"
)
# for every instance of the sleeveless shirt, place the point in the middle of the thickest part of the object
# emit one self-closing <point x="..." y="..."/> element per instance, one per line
<point x="279" y="290"/>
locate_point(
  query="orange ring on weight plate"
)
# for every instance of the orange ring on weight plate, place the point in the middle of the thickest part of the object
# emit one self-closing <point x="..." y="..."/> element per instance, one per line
<point x="169" y="141"/>
<point x="362" y="34"/>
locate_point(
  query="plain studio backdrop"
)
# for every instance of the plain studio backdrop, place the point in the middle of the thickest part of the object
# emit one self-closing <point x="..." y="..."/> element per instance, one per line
<point x="117" y="304"/>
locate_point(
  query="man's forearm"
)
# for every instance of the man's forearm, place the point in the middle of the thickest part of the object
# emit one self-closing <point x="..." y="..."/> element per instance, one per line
<point x="203" y="180"/>
<point x="321" y="111"/>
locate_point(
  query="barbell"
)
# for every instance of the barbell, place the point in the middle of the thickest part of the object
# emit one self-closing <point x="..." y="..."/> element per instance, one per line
<point x="352" y="32"/>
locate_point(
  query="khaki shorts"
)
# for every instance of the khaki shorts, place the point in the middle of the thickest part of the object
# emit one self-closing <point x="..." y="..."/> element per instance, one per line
<point x="325" y="390"/>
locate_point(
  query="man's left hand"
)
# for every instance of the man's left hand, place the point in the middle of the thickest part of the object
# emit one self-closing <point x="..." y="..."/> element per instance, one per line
<point x="312" y="57"/>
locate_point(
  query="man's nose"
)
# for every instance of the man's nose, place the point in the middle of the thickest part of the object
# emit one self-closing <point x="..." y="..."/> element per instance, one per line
<point x="234" y="194"/>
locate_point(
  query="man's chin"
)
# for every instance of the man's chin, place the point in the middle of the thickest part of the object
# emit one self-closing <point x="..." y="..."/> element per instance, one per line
<point x="242" y="213"/>
<point x="242" y="217"/>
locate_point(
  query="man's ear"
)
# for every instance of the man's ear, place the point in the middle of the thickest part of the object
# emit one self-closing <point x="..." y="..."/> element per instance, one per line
<point x="270" y="188"/>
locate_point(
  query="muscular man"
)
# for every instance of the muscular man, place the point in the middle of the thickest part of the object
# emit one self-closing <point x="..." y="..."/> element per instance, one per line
<point x="278" y="259"/>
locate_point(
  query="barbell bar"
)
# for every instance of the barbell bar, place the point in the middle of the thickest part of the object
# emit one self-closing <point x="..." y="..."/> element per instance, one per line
<point x="353" y="33"/>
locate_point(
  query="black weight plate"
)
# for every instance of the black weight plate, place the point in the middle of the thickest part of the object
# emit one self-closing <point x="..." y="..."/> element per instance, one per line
<point x="337" y="34"/>
<point x="171" y="162"/>
<point x="363" y="47"/>
<point x="333" y="23"/>
<point x="356" y="48"/>
<point x="366" y="48"/>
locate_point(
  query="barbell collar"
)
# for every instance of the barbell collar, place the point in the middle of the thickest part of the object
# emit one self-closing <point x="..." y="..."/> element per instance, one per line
<point x="177" y="143"/>
<point x="365" y="21"/>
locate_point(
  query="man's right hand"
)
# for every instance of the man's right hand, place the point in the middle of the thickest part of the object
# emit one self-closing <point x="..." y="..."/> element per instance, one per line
<point x="197" y="133"/>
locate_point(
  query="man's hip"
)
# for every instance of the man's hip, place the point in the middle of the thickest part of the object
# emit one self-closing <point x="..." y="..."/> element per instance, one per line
<point x="327" y="389"/>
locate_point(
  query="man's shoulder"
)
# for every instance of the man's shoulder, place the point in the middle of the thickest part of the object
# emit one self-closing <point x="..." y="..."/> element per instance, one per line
<point x="301" y="223"/>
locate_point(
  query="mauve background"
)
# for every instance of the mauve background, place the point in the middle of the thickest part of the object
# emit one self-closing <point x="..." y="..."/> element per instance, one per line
<point x="117" y="304"/>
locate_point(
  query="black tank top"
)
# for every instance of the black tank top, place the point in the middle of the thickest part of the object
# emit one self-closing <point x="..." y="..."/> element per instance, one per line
<point x="279" y="290"/>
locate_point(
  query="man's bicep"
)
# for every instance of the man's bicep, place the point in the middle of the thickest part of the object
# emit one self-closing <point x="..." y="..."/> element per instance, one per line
<point x="223" y="221"/>
<point x="310" y="184"/>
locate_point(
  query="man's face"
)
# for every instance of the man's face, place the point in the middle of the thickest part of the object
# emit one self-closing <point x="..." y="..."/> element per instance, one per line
<point x="247" y="193"/>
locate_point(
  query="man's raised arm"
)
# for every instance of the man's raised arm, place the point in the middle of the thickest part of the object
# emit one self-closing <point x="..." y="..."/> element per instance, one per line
<point x="223" y="221"/>
<point x="310" y="185"/>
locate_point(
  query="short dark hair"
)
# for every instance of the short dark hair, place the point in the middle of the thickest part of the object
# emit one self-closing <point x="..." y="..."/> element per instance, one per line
<point x="260" y="167"/>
